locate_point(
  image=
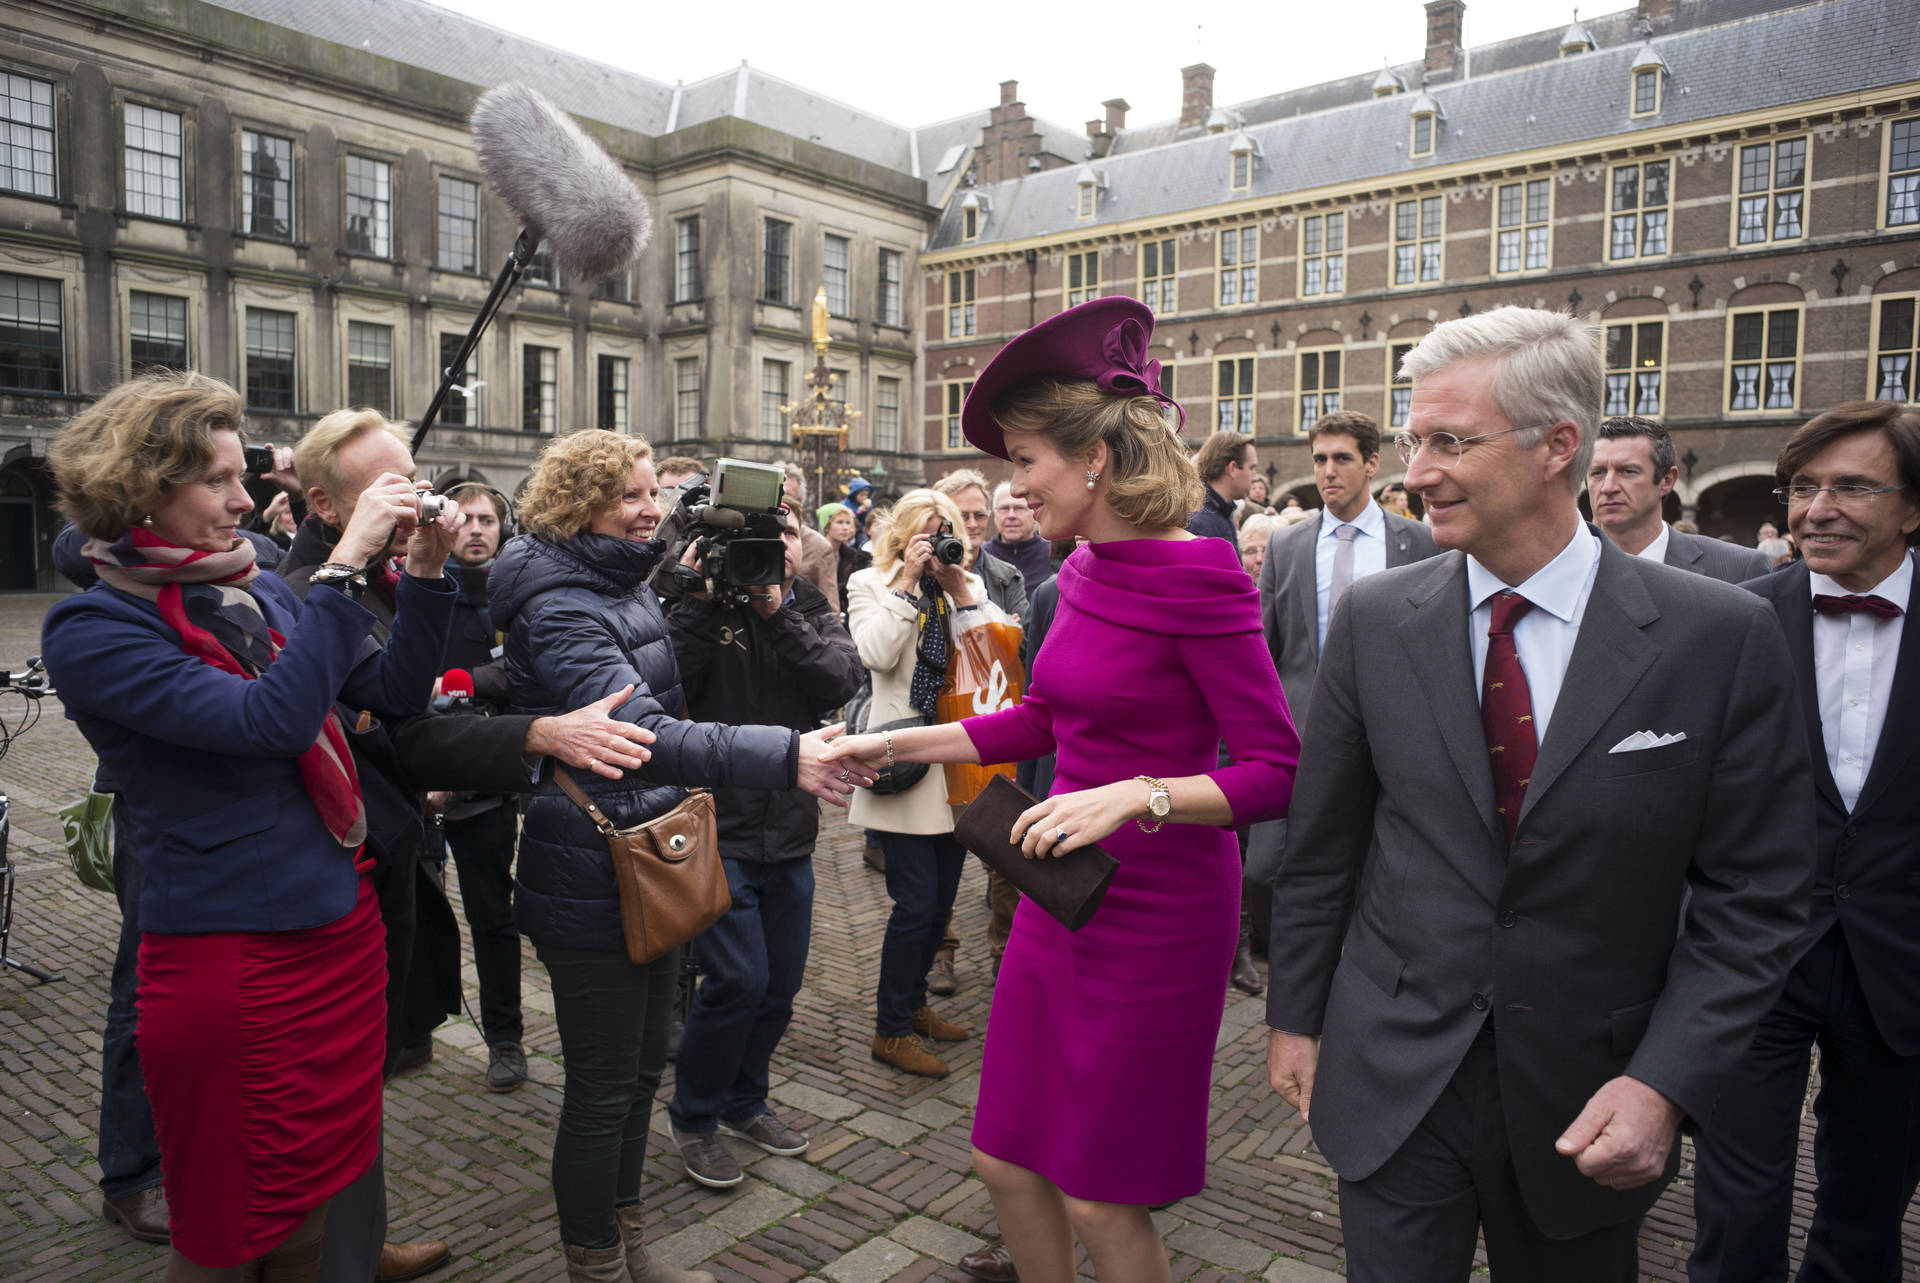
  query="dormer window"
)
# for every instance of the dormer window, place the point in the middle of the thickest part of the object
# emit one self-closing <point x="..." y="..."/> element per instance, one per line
<point x="1649" y="81"/>
<point x="1090" y="181"/>
<point x="1387" y="84"/>
<point x="1241" y="149"/>
<point x="973" y="215"/>
<point x="1575" y="39"/>
<point x="1426" y="126"/>
<point x="1218" y="122"/>
<point x="1088" y="195"/>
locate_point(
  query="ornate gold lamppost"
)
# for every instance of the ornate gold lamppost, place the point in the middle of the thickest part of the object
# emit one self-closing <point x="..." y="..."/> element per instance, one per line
<point x="818" y="420"/>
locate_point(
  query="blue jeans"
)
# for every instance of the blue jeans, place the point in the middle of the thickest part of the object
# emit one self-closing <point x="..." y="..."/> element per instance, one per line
<point x="129" y="1150"/>
<point x="612" y="1016"/>
<point x="752" y="962"/>
<point x="923" y="876"/>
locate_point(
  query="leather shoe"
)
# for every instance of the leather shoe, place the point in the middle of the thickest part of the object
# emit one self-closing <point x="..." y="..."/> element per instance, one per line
<point x="410" y="1260"/>
<point x="143" y="1213"/>
<point x="941" y="982"/>
<point x="929" y="1024"/>
<point x="992" y="1263"/>
<point x="909" y="1053"/>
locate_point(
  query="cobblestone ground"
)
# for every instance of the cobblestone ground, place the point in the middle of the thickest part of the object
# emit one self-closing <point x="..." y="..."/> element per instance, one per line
<point x="885" y="1191"/>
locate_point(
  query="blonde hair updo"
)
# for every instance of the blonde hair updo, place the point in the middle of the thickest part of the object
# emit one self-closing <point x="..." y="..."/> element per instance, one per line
<point x="1150" y="481"/>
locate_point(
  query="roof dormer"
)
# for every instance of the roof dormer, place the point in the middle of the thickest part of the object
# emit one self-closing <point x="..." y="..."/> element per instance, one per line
<point x="1218" y="122"/>
<point x="1388" y="83"/>
<point x="1241" y="149"/>
<point x="975" y="208"/>
<point x="1649" y="80"/>
<point x="1425" y="120"/>
<point x="1576" y="38"/>
<point x="1090" y="181"/>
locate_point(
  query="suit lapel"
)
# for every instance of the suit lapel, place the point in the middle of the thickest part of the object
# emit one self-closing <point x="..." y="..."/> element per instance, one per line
<point x="1399" y="542"/>
<point x="1681" y="550"/>
<point x="1609" y="656"/>
<point x="1902" y="726"/>
<point x="1793" y="604"/>
<point x="1434" y="636"/>
<point x="1306" y="574"/>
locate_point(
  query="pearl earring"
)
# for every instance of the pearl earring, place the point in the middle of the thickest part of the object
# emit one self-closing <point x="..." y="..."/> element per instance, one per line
<point x="147" y="520"/>
<point x="1092" y="477"/>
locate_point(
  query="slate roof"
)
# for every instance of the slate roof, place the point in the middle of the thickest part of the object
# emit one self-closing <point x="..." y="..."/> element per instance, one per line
<point x="1751" y="63"/>
<point x="424" y="35"/>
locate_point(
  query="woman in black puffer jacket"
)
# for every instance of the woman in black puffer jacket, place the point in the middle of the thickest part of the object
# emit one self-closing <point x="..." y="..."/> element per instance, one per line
<point x="581" y="624"/>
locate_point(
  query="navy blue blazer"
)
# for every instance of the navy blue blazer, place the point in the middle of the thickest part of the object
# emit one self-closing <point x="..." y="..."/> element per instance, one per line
<point x="206" y="761"/>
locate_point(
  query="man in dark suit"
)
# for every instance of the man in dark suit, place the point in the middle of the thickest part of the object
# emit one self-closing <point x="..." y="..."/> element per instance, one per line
<point x="1852" y="482"/>
<point x="1227" y="461"/>
<point x="1521" y="754"/>
<point x="1632" y="473"/>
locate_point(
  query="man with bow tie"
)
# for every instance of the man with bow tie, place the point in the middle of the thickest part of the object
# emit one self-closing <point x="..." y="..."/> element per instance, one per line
<point x="1850" y="479"/>
<point x="1521" y="755"/>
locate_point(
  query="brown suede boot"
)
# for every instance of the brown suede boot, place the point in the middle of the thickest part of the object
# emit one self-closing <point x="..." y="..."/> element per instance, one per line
<point x="909" y="1053"/>
<point x="929" y="1025"/>
<point x="596" y="1264"/>
<point x="641" y="1267"/>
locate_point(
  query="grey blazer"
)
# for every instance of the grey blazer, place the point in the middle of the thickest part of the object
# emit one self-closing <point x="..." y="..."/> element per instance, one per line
<point x="1403" y="922"/>
<point x="1729" y="563"/>
<point x="1289" y="600"/>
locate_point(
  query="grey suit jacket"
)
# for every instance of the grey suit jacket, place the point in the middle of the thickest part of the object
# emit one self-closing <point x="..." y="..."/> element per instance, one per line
<point x="1729" y="563"/>
<point x="1403" y="922"/>
<point x="1289" y="599"/>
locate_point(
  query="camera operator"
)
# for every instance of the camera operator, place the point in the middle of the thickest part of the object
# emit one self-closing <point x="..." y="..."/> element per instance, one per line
<point x="780" y="657"/>
<point x="337" y="460"/>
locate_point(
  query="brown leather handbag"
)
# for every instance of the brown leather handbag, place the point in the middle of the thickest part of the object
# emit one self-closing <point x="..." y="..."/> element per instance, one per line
<point x="672" y="884"/>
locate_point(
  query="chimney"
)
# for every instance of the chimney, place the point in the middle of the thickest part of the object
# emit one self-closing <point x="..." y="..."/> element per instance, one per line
<point x="1009" y="92"/>
<point x="1196" y="89"/>
<point x="1117" y="109"/>
<point x="1010" y="145"/>
<point x="1659" y="12"/>
<point x="1099" y="141"/>
<point x="1444" y="18"/>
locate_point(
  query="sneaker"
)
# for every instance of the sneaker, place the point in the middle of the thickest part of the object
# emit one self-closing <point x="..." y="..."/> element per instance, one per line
<point x="941" y="982"/>
<point x="708" y="1160"/>
<point x="506" y="1067"/>
<point x="929" y="1025"/>
<point x="910" y="1054"/>
<point x="766" y="1130"/>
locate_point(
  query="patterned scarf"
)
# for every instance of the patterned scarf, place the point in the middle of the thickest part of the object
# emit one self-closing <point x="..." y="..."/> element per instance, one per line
<point x="930" y="651"/>
<point x="203" y="596"/>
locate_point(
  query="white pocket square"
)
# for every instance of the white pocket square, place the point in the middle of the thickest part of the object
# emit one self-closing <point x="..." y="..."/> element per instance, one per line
<point x="1647" y="739"/>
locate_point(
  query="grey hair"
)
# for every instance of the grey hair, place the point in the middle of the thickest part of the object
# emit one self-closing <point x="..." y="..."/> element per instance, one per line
<point x="1547" y="368"/>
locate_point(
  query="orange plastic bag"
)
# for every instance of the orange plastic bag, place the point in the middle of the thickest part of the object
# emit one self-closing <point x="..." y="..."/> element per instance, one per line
<point x="984" y="675"/>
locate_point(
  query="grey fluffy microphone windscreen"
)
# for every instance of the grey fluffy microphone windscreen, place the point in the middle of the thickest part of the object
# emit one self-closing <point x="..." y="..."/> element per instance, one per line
<point x="563" y="185"/>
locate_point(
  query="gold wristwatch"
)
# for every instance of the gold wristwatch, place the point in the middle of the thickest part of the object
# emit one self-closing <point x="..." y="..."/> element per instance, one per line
<point x="1159" y="803"/>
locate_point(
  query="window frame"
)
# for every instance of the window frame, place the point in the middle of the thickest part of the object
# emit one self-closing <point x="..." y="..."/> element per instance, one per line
<point x="886" y="434"/>
<point x="1770" y="194"/>
<point x="767" y="257"/>
<point x="1431" y="120"/>
<point x="1088" y="263"/>
<point x="1526" y="225"/>
<point x="1636" y="365"/>
<point x="535" y="387"/>
<point x="953" y="437"/>
<point x="181" y="177"/>
<point x="543" y="270"/>
<point x="1889" y="174"/>
<point x="390" y="251"/>
<point x="845" y="269"/>
<point x="1799" y="359"/>
<point x="347" y="363"/>
<point x="1325" y="254"/>
<point x="1162" y="284"/>
<point x="449" y="347"/>
<point x="247" y="177"/>
<point x="52" y="132"/>
<point x="963" y="310"/>
<point x="1639" y="211"/>
<point x="687" y="427"/>
<point x="779" y="428"/>
<point x="1912" y="350"/>
<point x="1247" y="398"/>
<point x="1239" y="169"/>
<point x="1419" y="243"/>
<point x="135" y="366"/>
<point x="442" y="217"/>
<point x="890" y="290"/>
<point x="969" y="222"/>
<point x="621" y="418"/>
<point x="248" y="355"/>
<point x="59" y="330"/>
<point x="689" y="277"/>
<point x="1395" y="383"/>
<point x="1088" y="201"/>
<point x="1300" y="394"/>
<point x="1633" y="92"/>
<point x="1248" y="270"/>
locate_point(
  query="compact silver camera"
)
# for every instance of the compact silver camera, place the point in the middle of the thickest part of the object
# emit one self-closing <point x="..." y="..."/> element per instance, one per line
<point x="431" y="506"/>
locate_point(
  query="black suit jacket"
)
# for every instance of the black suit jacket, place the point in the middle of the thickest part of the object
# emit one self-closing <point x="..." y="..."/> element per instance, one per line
<point x="1867" y="875"/>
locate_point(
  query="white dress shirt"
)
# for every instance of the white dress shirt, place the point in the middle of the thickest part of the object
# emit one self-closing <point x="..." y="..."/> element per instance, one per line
<point x="1369" y="554"/>
<point x="1854" y="656"/>
<point x="1657" y="550"/>
<point x="1545" y="635"/>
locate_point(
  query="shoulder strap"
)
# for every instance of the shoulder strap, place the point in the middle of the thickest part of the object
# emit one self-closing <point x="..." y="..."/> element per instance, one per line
<point x="580" y="798"/>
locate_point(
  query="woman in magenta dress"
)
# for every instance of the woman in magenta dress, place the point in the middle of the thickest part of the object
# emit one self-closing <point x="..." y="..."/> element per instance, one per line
<point x="1099" y="1049"/>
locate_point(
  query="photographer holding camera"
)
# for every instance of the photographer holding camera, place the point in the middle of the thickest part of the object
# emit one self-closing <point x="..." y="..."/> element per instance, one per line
<point x="905" y="614"/>
<point x="780" y="656"/>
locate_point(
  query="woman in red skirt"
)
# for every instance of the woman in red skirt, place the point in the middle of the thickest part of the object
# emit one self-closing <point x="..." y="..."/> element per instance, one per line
<point x="214" y="697"/>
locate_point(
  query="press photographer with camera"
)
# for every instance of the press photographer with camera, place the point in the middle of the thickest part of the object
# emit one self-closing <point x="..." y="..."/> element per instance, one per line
<point x="581" y="620"/>
<point x="905" y="613"/>
<point x="209" y="692"/>
<point x="781" y="656"/>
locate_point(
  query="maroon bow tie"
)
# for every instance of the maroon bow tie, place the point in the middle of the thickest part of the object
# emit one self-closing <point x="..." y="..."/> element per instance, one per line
<point x="1879" y="607"/>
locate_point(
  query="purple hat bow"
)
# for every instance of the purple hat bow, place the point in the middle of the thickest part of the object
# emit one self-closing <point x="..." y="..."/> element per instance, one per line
<point x="1129" y="371"/>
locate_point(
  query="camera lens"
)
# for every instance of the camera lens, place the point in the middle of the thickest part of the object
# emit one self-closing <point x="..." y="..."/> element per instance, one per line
<point x="431" y="506"/>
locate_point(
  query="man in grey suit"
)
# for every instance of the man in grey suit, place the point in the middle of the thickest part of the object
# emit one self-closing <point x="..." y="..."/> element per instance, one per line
<point x="1310" y="566"/>
<point x="1632" y="473"/>
<point x="1477" y="995"/>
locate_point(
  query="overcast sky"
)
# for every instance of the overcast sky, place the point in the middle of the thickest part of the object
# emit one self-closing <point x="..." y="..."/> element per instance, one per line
<point x="916" y="63"/>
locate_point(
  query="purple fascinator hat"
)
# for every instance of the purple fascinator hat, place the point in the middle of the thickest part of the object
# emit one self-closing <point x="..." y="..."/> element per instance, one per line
<point x="1103" y="341"/>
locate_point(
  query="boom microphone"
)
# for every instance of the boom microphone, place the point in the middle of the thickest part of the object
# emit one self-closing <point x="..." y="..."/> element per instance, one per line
<point x="563" y="185"/>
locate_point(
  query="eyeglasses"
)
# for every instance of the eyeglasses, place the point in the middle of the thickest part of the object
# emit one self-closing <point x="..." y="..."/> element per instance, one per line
<point x="1445" y="448"/>
<point x="1848" y="496"/>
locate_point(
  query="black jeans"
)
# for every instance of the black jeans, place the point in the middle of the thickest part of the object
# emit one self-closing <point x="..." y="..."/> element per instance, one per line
<point x="612" y="1017"/>
<point x="482" y="847"/>
<point x="129" y="1150"/>
<point x="923" y="876"/>
<point x="751" y="964"/>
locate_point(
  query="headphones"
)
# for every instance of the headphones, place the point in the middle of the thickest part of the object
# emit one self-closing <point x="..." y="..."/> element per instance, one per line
<point x="457" y="486"/>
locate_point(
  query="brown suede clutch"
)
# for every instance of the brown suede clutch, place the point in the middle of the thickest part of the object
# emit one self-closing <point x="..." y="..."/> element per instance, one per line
<point x="1069" y="888"/>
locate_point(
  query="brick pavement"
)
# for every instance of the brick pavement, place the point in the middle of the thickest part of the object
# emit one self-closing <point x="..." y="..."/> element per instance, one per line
<point x="885" y="1191"/>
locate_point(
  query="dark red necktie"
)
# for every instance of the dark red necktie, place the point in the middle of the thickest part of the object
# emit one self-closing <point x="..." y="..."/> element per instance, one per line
<point x="1878" y="607"/>
<point x="1506" y="710"/>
